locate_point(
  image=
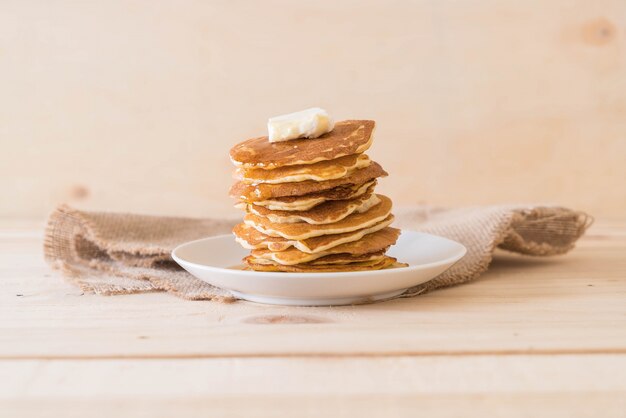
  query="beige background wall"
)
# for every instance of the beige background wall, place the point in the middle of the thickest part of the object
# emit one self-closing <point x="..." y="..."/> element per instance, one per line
<point x="133" y="105"/>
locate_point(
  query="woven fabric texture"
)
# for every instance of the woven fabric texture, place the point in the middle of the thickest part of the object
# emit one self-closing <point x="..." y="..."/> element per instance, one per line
<point x="117" y="253"/>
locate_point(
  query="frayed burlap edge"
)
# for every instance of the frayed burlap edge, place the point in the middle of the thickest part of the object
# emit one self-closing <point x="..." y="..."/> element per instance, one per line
<point x="105" y="270"/>
<point x="535" y="231"/>
<point x="117" y="265"/>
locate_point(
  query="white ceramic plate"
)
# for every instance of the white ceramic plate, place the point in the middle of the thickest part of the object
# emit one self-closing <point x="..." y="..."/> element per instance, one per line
<point x="217" y="260"/>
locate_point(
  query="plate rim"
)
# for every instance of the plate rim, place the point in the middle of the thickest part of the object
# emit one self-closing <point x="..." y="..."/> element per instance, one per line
<point x="272" y="274"/>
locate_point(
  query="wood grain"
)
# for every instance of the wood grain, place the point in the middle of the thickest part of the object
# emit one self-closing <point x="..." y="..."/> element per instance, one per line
<point x="133" y="106"/>
<point x="512" y="386"/>
<point x="531" y="337"/>
<point x="570" y="304"/>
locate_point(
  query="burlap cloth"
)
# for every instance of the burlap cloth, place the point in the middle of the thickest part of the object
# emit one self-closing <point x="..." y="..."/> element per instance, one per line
<point x="115" y="253"/>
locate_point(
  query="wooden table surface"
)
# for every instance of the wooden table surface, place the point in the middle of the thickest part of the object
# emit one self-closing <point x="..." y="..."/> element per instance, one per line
<point x="531" y="334"/>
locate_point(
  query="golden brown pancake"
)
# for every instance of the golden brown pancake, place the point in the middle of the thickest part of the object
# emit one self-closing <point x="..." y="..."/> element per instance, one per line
<point x="347" y="259"/>
<point x="306" y="202"/>
<point x="324" y="213"/>
<point x="372" y="243"/>
<point x="252" y="239"/>
<point x="303" y="230"/>
<point x="261" y="192"/>
<point x="322" y="171"/>
<point x="348" y="137"/>
<point x="323" y="268"/>
<point x="328" y="259"/>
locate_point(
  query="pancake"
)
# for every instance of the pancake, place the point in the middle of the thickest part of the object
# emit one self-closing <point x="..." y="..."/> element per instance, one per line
<point x="324" y="213"/>
<point x="261" y="192"/>
<point x="323" y="268"/>
<point x="322" y="171"/>
<point x="347" y="259"/>
<point x="306" y="202"/>
<point x="252" y="239"/>
<point x="303" y="230"/>
<point x="347" y="138"/>
<point x="329" y="259"/>
<point x="373" y="243"/>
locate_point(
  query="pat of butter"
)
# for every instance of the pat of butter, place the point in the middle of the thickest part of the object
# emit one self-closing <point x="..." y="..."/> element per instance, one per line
<point x="309" y="123"/>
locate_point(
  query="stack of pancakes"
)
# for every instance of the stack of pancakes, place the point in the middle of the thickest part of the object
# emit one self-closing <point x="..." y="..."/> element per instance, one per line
<point x="310" y="203"/>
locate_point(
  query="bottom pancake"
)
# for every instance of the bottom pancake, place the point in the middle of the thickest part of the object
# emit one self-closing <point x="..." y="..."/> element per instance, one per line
<point x="339" y="258"/>
<point x="385" y="262"/>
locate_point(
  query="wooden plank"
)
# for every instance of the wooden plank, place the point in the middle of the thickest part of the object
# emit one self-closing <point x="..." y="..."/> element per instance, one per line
<point x="477" y="102"/>
<point x="570" y="304"/>
<point x="553" y="404"/>
<point x="567" y="386"/>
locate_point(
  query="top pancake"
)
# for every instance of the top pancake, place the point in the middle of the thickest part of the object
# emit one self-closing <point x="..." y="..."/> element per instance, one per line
<point x="348" y="137"/>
